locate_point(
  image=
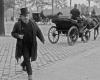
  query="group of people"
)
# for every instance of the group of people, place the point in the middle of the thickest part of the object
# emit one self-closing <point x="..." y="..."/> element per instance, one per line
<point x="25" y="31"/>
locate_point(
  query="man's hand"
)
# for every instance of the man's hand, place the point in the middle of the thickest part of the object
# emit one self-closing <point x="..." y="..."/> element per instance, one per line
<point x="21" y="36"/>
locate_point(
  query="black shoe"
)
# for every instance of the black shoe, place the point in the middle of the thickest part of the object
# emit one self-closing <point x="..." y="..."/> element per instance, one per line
<point x="23" y="67"/>
<point x="29" y="77"/>
<point x="82" y="39"/>
<point x="94" y="38"/>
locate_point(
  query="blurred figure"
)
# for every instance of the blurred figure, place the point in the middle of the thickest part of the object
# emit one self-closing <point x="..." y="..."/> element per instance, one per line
<point x="93" y="13"/>
<point x="12" y="18"/>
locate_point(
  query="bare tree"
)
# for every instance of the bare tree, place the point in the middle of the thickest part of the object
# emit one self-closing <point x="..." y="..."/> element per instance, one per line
<point x="70" y="3"/>
<point x="2" y="29"/>
<point x="97" y="1"/>
<point x="9" y="4"/>
<point x="39" y="3"/>
<point x="61" y="3"/>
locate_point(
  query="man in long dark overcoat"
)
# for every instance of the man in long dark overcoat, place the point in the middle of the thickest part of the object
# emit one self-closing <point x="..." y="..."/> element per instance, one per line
<point x="26" y="31"/>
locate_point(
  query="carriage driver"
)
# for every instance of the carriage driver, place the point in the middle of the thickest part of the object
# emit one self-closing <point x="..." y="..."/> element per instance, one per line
<point x="75" y="13"/>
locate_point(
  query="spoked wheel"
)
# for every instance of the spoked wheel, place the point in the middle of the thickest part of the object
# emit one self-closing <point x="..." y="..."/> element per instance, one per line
<point x="86" y="36"/>
<point x="72" y="35"/>
<point x="53" y="35"/>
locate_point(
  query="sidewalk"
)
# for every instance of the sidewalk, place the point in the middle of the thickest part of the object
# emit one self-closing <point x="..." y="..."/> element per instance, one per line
<point x="82" y="67"/>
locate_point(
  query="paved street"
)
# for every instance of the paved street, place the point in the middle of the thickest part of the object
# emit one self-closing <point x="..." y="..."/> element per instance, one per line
<point x="55" y="61"/>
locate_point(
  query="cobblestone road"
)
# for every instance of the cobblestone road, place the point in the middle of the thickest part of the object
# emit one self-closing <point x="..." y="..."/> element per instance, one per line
<point x="48" y="54"/>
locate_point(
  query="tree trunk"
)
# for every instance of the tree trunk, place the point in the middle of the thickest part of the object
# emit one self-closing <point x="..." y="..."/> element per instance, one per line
<point x="52" y="7"/>
<point x="13" y="14"/>
<point x="2" y="30"/>
<point x="25" y="3"/>
<point x="37" y="9"/>
<point x="89" y="4"/>
<point x="70" y="4"/>
<point x="13" y="11"/>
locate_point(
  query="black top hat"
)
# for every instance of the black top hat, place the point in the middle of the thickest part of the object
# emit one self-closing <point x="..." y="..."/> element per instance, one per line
<point x="24" y="11"/>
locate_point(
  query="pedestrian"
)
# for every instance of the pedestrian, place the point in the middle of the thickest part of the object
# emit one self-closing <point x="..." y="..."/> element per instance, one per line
<point x="26" y="31"/>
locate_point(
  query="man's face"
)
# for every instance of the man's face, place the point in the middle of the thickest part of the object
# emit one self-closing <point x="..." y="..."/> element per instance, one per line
<point x="25" y="18"/>
<point x="75" y="6"/>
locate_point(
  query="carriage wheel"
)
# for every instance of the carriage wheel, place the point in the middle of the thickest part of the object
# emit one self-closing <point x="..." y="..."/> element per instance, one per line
<point x="86" y="36"/>
<point x="72" y="35"/>
<point x="53" y="35"/>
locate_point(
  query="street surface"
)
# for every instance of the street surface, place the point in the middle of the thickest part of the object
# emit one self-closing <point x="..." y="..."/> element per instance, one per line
<point x="55" y="61"/>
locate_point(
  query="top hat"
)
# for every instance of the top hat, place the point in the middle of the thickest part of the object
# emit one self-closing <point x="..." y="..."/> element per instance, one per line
<point x="24" y="11"/>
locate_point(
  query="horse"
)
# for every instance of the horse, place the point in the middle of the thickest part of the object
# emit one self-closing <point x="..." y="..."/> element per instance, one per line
<point x="97" y="23"/>
<point x="49" y="17"/>
<point x="93" y="23"/>
<point x="43" y="17"/>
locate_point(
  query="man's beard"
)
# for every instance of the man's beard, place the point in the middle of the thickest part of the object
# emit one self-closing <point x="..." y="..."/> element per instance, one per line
<point x="26" y="21"/>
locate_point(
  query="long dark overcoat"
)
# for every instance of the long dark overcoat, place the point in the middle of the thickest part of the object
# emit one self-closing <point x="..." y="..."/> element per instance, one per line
<point x="36" y="32"/>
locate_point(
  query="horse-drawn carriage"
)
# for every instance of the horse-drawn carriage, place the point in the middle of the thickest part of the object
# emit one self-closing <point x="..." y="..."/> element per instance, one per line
<point x="71" y="28"/>
<point x="40" y="17"/>
<point x="36" y="16"/>
<point x="48" y="18"/>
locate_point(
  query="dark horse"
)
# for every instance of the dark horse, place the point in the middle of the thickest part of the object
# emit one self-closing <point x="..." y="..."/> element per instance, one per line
<point x="54" y="16"/>
<point x="49" y="17"/>
<point x="94" y="23"/>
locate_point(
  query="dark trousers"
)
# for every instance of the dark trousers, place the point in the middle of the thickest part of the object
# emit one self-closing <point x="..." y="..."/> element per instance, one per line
<point x="26" y="62"/>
